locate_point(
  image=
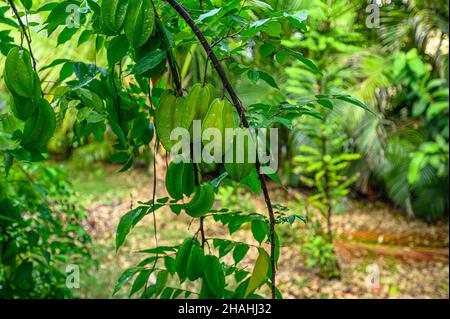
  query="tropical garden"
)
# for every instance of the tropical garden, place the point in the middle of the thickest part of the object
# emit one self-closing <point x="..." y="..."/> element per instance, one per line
<point x="344" y="102"/>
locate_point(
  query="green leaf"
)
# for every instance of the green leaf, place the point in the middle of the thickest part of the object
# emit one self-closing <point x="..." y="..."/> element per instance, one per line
<point x="65" y="35"/>
<point x="157" y="250"/>
<point x="119" y="132"/>
<point x="27" y="4"/>
<point x="209" y="14"/>
<point x="84" y="37"/>
<point x="147" y="261"/>
<point x="240" y="275"/>
<point x="167" y="293"/>
<point x="66" y="71"/>
<point x="121" y="157"/>
<point x="182" y="258"/>
<point x="217" y="181"/>
<point x="267" y="49"/>
<point x="352" y="100"/>
<point x="259" y="230"/>
<point x="47" y="7"/>
<point x="140" y="126"/>
<point x="253" y="182"/>
<point x="277" y="248"/>
<point x="225" y="247"/>
<point x="169" y="263"/>
<point x="54" y="63"/>
<point x="85" y="73"/>
<point x="262" y="4"/>
<point x="297" y="20"/>
<point x="273" y="29"/>
<point x="310" y="64"/>
<point x="435" y="109"/>
<point x="58" y="15"/>
<point x="268" y="79"/>
<point x="161" y="280"/>
<point x="414" y="169"/>
<point x="253" y="76"/>
<point x="23" y="275"/>
<point x="272" y="175"/>
<point x="325" y="103"/>
<point x="260" y="272"/>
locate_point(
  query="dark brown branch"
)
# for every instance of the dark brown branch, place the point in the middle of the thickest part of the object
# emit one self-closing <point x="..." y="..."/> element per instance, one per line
<point x="185" y="15"/>
<point x="241" y="111"/>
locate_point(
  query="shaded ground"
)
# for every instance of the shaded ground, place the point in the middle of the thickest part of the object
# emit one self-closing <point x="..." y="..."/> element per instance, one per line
<point x="411" y="255"/>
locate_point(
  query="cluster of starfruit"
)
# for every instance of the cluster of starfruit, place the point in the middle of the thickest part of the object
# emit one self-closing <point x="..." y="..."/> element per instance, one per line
<point x="135" y="17"/>
<point x="202" y="104"/>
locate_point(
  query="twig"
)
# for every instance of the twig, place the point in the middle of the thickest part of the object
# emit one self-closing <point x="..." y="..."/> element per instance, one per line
<point x="241" y="111"/>
<point x="197" y="183"/>
<point x="155" y="230"/>
<point x="234" y="242"/>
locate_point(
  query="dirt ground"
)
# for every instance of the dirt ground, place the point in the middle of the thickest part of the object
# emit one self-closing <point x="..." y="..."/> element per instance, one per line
<point x="408" y="256"/>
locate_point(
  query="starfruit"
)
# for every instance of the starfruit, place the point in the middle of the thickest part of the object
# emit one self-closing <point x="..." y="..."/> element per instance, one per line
<point x="113" y="13"/>
<point x="199" y="97"/>
<point x="180" y="179"/>
<point x="241" y="157"/>
<point x="221" y="115"/>
<point x="23" y="107"/>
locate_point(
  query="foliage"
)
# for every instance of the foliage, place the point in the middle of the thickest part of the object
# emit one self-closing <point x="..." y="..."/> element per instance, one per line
<point x="139" y="44"/>
<point x="320" y="254"/>
<point x="154" y="66"/>
<point x="233" y="199"/>
<point x="322" y="163"/>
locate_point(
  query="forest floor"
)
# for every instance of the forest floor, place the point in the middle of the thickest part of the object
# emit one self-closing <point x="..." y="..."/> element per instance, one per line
<point x="411" y="255"/>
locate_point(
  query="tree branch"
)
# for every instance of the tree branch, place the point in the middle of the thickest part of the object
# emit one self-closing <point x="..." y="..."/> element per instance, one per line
<point x="241" y="111"/>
